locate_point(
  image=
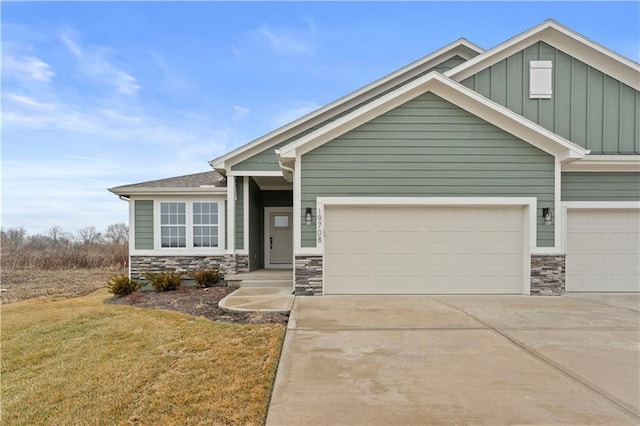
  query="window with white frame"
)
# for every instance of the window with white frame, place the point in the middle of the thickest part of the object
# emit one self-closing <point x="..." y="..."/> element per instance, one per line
<point x="205" y="224"/>
<point x="187" y="224"/>
<point x="173" y="224"/>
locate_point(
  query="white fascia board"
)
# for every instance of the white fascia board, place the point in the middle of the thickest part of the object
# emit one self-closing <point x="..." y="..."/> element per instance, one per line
<point x="460" y="47"/>
<point x="601" y="204"/>
<point x="254" y="173"/>
<point x="168" y="191"/>
<point x="453" y="92"/>
<point x="562" y="38"/>
<point x="604" y="163"/>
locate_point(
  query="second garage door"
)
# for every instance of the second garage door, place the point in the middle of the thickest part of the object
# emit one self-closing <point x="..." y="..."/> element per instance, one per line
<point x="603" y="248"/>
<point x="423" y="250"/>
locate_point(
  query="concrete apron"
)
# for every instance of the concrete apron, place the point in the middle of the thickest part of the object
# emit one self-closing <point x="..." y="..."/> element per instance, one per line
<point x="350" y="360"/>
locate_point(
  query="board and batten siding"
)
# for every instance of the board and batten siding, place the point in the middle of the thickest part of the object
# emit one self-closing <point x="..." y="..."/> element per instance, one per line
<point x="428" y="147"/>
<point x="600" y="186"/>
<point x="267" y="161"/>
<point x="143" y="224"/>
<point x="587" y="106"/>
<point x="239" y="214"/>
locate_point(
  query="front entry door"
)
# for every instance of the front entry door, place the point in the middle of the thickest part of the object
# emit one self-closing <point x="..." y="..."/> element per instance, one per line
<point x="278" y="237"/>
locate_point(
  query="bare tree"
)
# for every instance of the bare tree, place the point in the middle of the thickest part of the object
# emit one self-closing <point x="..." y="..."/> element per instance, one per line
<point x="14" y="237"/>
<point x="58" y="236"/>
<point x="89" y="235"/>
<point x="117" y="233"/>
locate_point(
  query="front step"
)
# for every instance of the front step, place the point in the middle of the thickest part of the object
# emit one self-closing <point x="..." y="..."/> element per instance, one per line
<point x="266" y="283"/>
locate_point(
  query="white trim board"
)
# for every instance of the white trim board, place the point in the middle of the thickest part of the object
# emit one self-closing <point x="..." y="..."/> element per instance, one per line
<point x="604" y="163"/>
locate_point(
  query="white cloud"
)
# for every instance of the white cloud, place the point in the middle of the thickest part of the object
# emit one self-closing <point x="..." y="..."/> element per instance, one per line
<point x="284" y="41"/>
<point x="71" y="45"/>
<point x="26" y="68"/>
<point x="293" y="112"/>
<point x="240" y="112"/>
<point x="94" y="63"/>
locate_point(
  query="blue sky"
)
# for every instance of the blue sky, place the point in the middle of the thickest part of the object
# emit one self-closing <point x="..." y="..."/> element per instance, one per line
<point x="100" y="94"/>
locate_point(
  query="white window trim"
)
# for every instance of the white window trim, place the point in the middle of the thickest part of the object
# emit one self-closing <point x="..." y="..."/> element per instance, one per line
<point x="180" y="251"/>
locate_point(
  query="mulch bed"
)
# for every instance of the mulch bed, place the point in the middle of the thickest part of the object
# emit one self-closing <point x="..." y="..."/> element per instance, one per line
<point x="197" y="302"/>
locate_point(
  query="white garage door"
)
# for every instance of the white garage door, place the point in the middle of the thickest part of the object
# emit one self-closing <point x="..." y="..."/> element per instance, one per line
<point x="603" y="250"/>
<point x="422" y="250"/>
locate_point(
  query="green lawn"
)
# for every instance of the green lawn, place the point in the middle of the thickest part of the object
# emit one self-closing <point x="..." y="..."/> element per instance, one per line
<point x="79" y="361"/>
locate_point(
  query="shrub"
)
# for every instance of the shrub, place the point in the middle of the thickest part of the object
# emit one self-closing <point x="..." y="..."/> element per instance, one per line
<point x="122" y="285"/>
<point x="206" y="277"/>
<point x="165" y="281"/>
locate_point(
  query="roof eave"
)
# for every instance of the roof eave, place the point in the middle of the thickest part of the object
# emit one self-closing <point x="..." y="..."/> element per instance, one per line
<point x="461" y="47"/>
<point x="127" y="191"/>
<point x="563" y="38"/>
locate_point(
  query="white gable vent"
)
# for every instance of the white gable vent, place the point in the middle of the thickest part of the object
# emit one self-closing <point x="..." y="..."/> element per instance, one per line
<point x="540" y="79"/>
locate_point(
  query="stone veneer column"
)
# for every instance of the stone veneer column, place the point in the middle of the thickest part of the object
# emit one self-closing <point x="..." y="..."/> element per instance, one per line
<point x="308" y="276"/>
<point x="547" y="275"/>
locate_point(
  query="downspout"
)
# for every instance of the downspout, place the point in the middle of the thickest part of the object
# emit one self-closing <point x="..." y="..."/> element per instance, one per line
<point x="287" y="171"/>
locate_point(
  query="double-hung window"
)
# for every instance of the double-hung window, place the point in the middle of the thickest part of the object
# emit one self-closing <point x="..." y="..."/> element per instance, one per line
<point x="173" y="224"/>
<point x="190" y="224"/>
<point x="205" y="224"/>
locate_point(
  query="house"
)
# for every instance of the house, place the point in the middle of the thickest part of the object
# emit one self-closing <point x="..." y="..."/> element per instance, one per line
<point x="513" y="170"/>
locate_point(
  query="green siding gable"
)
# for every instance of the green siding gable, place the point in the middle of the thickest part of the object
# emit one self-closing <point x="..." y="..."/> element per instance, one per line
<point x="143" y="224"/>
<point x="587" y="107"/>
<point x="600" y="186"/>
<point x="428" y="147"/>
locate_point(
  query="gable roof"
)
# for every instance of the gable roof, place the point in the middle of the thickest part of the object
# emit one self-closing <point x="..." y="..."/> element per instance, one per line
<point x="562" y="38"/>
<point x="460" y="47"/>
<point x="451" y="91"/>
<point x="198" y="182"/>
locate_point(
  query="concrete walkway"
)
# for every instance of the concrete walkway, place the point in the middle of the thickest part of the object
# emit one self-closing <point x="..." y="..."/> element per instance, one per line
<point x="275" y="299"/>
<point x="356" y="360"/>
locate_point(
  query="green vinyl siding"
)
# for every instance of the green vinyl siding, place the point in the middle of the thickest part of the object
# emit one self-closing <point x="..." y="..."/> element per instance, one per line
<point x="428" y="147"/>
<point x="143" y="224"/>
<point x="449" y="64"/>
<point x="600" y="186"/>
<point x="587" y="107"/>
<point x="239" y="213"/>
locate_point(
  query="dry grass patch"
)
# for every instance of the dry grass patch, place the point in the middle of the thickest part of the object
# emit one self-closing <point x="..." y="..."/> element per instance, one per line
<point x="79" y="361"/>
<point x="22" y="284"/>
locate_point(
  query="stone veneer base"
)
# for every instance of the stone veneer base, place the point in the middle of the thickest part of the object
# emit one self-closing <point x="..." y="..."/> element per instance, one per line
<point x="308" y="276"/>
<point x="228" y="263"/>
<point x="548" y="275"/>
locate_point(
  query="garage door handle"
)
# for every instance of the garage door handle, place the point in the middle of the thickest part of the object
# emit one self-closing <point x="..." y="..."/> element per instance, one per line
<point x="271" y="243"/>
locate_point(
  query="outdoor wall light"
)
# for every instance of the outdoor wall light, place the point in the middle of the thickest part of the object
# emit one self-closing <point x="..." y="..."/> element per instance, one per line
<point x="308" y="216"/>
<point x="546" y="214"/>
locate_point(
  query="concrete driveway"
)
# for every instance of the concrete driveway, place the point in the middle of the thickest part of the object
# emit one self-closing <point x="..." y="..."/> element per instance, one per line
<point x="356" y="360"/>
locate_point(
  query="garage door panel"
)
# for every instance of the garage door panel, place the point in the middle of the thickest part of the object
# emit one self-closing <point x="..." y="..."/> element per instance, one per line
<point x="418" y="250"/>
<point x="603" y="248"/>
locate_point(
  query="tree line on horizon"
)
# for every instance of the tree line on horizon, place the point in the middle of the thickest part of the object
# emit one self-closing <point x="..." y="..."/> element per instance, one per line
<point x="58" y="249"/>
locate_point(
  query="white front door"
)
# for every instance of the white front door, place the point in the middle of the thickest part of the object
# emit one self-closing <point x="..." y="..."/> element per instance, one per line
<point x="278" y="237"/>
